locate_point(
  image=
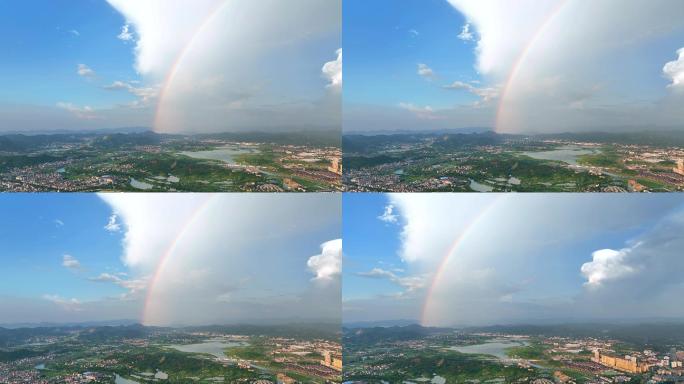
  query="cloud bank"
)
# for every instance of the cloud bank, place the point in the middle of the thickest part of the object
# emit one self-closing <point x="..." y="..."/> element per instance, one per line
<point x="555" y="73"/>
<point x="328" y="264"/>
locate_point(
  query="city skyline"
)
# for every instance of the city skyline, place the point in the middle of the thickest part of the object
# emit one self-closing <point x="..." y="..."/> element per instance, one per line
<point x="465" y="260"/>
<point x="513" y="68"/>
<point x="113" y="64"/>
<point x="169" y="259"/>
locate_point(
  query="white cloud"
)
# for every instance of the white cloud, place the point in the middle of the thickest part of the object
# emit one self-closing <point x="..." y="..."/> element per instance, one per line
<point x="270" y="71"/>
<point x="113" y="225"/>
<point x="410" y="284"/>
<point x="423" y="113"/>
<point x="71" y="262"/>
<point x="133" y="286"/>
<point x="83" y="113"/>
<point x="332" y="71"/>
<point x="414" y="32"/>
<point x="187" y="251"/>
<point x="465" y="34"/>
<point x="70" y="305"/>
<point x="388" y="215"/>
<point x="486" y="94"/>
<point x="152" y="20"/>
<point x="126" y="34"/>
<point x="328" y="264"/>
<point x="150" y="227"/>
<point x="106" y="277"/>
<point x="75" y="32"/>
<point x="59" y="223"/>
<point x="146" y="95"/>
<point x="85" y="71"/>
<point x="607" y="264"/>
<point x="674" y="70"/>
<point x="524" y="43"/>
<point x="504" y="29"/>
<point x="425" y="71"/>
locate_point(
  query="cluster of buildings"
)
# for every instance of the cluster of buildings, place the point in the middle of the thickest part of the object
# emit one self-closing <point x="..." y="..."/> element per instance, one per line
<point x="10" y="375"/>
<point x="679" y="169"/>
<point x="336" y="166"/>
<point x="332" y="360"/>
<point x="51" y="177"/>
<point x="304" y="161"/>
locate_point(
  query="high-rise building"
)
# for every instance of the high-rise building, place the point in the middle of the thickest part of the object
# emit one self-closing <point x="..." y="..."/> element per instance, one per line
<point x="627" y="364"/>
<point x="679" y="169"/>
<point x="332" y="361"/>
<point x="335" y="166"/>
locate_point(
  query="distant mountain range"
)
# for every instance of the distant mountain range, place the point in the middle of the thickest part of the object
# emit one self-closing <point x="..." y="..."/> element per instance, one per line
<point x="660" y="333"/>
<point x="20" y="142"/>
<point x="107" y="331"/>
<point x="112" y="323"/>
<point x="381" y="323"/>
<point x="103" y="131"/>
<point x="367" y="143"/>
<point x="393" y="333"/>
<point x="654" y="333"/>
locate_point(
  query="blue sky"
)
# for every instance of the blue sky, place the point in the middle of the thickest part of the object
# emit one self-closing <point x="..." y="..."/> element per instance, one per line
<point x="46" y="40"/>
<point x="368" y="243"/>
<point x="573" y="257"/>
<point x="45" y="227"/>
<point x="385" y="43"/>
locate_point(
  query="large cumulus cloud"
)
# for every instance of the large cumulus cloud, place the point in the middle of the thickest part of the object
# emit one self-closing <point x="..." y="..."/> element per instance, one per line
<point x="239" y="64"/>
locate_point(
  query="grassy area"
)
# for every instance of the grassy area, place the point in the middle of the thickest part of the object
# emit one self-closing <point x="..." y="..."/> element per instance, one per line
<point x="534" y="351"/>
<point x="453" y="366"/>
<point x="606" y="158"/>
<point x="250" y="352"/>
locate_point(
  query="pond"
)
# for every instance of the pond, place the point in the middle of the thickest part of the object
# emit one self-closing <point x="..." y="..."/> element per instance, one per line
<point x="140" y="184"/>
<point x="566" y="154"/>
<point x="226" y="154"/>
<point x="479" y="187"/>
<point x="212" y="347"/>
<point x="495" y="348"/>
<point x="120" y="380"/>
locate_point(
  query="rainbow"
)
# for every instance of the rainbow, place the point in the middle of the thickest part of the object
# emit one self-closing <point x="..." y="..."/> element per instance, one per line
<point x="171" y="75"/>
<point x="455" y="246"/>
<point x="515" y="70"/>
<point x="163" y="262"/>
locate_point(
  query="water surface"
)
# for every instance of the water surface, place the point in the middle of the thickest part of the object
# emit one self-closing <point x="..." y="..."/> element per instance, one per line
<point x="212" y="347"/>
<point x="140" y="184"/>
<point x="225" y="154"/>
<point x="479" y="187"/>
<point x="120" y="380"/>
<point x="567" y="154"/>
<point x="495" y="348"/>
